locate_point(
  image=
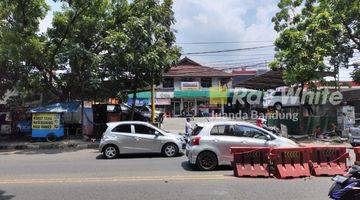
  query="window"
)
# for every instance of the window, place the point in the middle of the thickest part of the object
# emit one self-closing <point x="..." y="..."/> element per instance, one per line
<point x="126" y="128"/>
<point x="168" y="83"/>
<point x="187" y="79"/>
<point x="245" y="131"/>
<point x="142" y="129"/>
<point x="197" y="130"/>
<point x="206" y="82"/>
<point x="224" y="81"/>
<point x="222" y="130"/>
<point x="218" y="130"/>
<point x="278" y="94"/>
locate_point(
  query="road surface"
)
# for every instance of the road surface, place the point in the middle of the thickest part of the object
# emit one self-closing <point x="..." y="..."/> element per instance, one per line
<point x="84" y="175"/>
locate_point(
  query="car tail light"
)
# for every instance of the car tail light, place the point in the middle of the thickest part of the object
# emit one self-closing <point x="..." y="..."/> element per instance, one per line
<point x="196" y="140"/>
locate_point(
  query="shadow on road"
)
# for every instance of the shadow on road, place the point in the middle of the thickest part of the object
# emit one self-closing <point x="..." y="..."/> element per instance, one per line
<point x="189" y="167"/>
<point x="4" y="196"/>
<point x="137" y="156"/>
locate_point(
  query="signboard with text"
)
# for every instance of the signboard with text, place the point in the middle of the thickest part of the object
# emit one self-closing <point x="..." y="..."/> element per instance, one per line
<point x="190" y="85"/>
<point x="41" y="121"/>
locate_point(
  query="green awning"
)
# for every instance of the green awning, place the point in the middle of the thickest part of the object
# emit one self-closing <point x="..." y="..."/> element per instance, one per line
<point x="141" y="95"/>
<point x="191" y="94"/>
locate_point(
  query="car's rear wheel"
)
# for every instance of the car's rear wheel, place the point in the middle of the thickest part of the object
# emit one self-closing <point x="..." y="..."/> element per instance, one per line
<point x="278" y="106"/>
<point x="170" y="150"/>
<point x="207" y="161"/>
<point x="110" y="151"/>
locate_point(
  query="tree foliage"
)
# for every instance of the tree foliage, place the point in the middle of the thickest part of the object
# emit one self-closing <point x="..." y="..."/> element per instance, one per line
<point x="93" y="49"/>
<point x="314" y="32"/>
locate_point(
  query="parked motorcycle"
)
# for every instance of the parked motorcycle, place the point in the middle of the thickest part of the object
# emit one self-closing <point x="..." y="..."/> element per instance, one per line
<point x="346" y="187"/>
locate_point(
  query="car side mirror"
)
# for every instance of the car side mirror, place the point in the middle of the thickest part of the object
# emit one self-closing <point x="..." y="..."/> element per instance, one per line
<point x="157" y="133"/>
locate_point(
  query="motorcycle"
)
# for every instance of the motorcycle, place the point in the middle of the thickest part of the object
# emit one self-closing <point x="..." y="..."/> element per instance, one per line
<point x="346" y="187"/>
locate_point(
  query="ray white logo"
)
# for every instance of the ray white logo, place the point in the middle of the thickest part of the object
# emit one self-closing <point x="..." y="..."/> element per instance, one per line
<point x="290" y="97"/>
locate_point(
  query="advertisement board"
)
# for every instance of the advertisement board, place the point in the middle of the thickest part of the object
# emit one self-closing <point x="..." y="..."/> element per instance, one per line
<point x="190" y="85"/>
<point x="41" y="121"/>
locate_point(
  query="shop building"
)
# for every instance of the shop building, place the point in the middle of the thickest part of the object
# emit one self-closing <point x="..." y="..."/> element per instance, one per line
<point x="190" y="89"/>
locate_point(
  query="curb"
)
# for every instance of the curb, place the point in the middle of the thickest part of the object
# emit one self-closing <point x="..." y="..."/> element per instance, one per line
<point x="54" y="146"/>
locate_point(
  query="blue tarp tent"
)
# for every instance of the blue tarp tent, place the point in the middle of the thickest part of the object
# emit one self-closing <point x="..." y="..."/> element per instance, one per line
<point x="58" y="108"/>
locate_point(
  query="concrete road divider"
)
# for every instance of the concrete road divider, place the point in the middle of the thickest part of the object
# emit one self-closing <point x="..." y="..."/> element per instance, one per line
<point x="357" y="155"/>
<point x="251" y="161"/>
<point x="329" y="161"/>
<point x="291" y="162"/>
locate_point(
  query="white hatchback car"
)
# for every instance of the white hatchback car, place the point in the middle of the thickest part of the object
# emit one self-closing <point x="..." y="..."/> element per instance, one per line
<point x="210" y="142"/>
<point x="139" y="137"/>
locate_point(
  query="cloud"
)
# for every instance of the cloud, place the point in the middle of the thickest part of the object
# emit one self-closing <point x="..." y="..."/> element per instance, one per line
<point x="225" y="20"/>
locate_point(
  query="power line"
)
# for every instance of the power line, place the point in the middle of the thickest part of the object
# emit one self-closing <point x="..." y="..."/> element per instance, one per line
<point x="232" y="55"/>
<point x="243" y="63"/>
<point x="254" y="65"/>
<point x="244" y="59"/>
<point x="228" y="50"/>
<point x="226" y="42"/>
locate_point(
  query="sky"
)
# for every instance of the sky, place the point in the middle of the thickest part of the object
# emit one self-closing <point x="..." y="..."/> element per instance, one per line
<point x="210" y="25"/>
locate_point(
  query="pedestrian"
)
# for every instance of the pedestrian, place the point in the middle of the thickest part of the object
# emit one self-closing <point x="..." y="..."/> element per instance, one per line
<point x="318" y="134"/>
<point x="188" y="127"/>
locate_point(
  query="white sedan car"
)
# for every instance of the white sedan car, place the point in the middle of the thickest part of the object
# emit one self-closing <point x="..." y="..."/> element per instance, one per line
<point x="210" y="142"/>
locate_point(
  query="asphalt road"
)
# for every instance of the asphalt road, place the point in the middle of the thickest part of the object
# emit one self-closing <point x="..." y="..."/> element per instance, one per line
<point x="84" y="175"/>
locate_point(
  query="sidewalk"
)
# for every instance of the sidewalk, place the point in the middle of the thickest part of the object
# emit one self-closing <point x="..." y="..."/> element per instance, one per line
<point x="60" y="145"/>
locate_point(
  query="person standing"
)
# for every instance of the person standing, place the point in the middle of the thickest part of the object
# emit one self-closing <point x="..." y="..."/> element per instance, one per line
<point x="188" y="127"/>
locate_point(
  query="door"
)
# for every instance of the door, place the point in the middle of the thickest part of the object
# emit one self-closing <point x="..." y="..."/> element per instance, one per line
<point x="188" y="108"/>
<point x="125" y="138"/>
<point x="177" y="110"/>
<point x="251" y="136"/>
<point x="222" y="138"/>
<point x="146" y="141"/>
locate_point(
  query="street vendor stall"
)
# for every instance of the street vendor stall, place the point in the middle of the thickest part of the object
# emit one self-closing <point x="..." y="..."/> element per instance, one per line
<point x="62" y="120"/>
<point x="47" y="125"/>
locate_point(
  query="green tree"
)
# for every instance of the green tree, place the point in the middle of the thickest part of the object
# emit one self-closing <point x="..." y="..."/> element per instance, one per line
<point x="334" y="24"/>
<point x="298" y="51"/>
<point x="20" y="43"/>
<point x="67" y="60"/>
<point x="144" y="46"/>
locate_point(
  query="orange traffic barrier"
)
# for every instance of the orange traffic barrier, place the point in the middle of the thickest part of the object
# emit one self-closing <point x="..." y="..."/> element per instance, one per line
<point x="291" y="162"/>
<point x="329" y="161"/>
<point x="357" y="155"/>
<point x="251" y="161"/>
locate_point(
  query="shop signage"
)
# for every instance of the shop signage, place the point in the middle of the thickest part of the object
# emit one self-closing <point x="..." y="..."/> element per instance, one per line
<point x="190" y="85"/>
<point x="164" y="95"/>
<point x="45" y="121"/>
<point x="162" y="101"/>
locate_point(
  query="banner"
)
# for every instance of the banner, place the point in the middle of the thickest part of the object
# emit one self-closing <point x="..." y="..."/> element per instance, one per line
<point x="190" y="85"/>
<point x="46" y="121"/>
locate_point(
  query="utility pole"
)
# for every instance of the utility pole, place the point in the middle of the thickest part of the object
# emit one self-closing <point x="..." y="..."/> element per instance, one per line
<point x="152" y="103"/>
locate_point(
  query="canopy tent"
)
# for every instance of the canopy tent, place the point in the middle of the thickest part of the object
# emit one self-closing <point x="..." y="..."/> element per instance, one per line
<point x="58" y="108"/>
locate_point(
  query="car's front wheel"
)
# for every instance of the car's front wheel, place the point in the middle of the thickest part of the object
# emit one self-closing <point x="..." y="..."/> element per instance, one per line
<point x="207" y="161"/>
<point x="110" y="152"/>
<point x="170" y="150"/>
